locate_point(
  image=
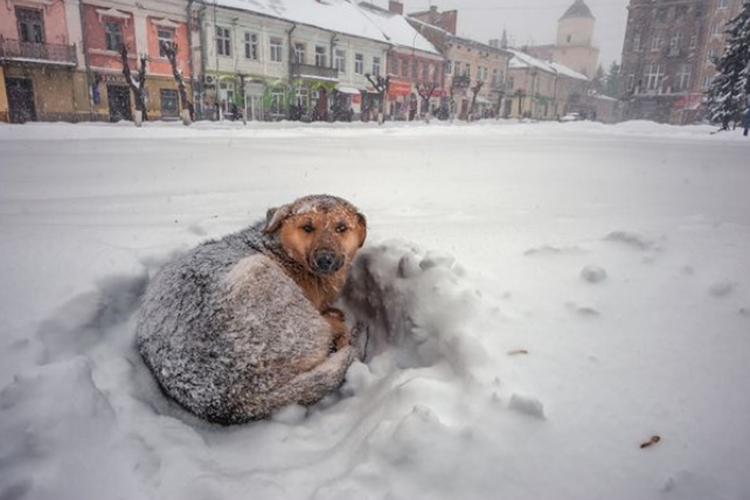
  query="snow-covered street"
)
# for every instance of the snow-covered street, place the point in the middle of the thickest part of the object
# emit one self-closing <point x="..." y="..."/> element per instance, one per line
<point x="572" y="290"/>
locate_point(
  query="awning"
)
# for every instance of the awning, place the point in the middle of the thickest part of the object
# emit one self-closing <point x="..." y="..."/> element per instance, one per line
<point x="348" y="90"/>
<point x="482" y="100"/>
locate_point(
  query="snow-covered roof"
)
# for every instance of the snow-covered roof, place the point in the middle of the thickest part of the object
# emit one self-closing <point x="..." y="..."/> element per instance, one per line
<point x="578" y="9"/>
<point x="397" y="29"/>
<point x="340" y="16"/>
<point x="523" y="60"/>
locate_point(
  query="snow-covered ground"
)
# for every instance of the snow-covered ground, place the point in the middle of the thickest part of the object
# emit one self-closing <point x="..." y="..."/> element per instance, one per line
<point x="560" y="293"/>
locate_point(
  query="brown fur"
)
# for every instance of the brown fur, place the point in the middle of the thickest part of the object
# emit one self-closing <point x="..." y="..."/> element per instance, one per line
<point x="303" y="229"/>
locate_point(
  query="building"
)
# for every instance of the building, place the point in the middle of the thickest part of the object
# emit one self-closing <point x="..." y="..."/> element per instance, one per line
<point x="38" y="62"/>
<point x="143" y="27"/>
<point x="306" y="61"/>
<point x="667" y="57"/>
<point x="574" y="45"/>
<point x="543" y="90"/>
<point x="470" y="65"/>
<point x="414" y="64"/>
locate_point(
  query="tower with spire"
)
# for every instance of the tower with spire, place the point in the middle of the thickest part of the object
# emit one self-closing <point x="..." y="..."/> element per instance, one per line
<point x="575" y="32"/>
<point x="574" y="45"/>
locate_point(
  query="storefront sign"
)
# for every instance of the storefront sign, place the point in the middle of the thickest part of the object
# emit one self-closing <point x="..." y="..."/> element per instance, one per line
<point x="357" y="99"/>
<point x="396" y="88"/>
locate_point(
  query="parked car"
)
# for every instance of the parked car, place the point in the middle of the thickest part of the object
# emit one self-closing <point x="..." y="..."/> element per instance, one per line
<point x="571" y="117"/>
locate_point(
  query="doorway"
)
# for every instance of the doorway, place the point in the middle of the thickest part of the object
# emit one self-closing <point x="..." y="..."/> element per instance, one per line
<point x="21" y="106"/>
<point x="118" y="98"/>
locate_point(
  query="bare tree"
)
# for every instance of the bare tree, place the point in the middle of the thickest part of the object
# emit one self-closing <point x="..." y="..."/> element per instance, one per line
<point x="477" y="87"/>
<point x="425" y="91"/>
<point x="171" y="50"/>
<point x="137" y="86"/>
<point x="381" y="86"/>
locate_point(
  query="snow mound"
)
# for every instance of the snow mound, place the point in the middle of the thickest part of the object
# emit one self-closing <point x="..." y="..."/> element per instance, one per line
<point x="416" y="302"/>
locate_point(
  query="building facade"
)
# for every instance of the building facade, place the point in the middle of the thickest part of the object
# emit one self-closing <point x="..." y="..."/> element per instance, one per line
<point x="414" y="65"/>
<point x="38" y="62"/>
<point x="667" y="58"/>
<point x="142" y="27"/>
<point x="470" y="66"/>
<point x="543" y="90"/>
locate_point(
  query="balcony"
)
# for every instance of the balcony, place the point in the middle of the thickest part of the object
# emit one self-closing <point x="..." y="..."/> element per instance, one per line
<point x="45" y="53"/>
<point x="315" y="72"/>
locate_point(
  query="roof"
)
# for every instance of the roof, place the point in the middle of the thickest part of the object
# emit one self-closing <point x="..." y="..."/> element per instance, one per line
<point x="397" y="29"/>
<point x="340" y="16"/>
<point x="578" y="9"/>
<point x="522" y="60"/>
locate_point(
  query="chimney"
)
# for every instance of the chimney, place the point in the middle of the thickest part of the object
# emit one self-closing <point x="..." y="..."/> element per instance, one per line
<point x="396" y="7"/>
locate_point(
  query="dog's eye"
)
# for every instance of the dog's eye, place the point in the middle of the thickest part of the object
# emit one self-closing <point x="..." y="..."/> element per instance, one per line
<point x="308" y="228"/>
<point x="341" y="228"/>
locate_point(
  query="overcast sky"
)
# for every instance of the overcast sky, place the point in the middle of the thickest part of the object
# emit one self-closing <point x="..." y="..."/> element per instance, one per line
<point x="530" y="21"/>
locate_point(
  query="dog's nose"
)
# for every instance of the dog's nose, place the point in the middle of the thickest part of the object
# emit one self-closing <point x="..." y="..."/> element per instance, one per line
<point x="327" y="262"/>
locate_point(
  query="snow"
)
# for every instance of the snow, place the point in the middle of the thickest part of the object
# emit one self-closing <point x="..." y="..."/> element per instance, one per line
<point x="340" y="16"/>
<point x="398" y="31"/>
<point x="542" y="298"/>
<point x="522" y="60"/>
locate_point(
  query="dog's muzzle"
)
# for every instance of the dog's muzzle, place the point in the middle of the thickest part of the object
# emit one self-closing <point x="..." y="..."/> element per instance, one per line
<point x="327" y="262"/>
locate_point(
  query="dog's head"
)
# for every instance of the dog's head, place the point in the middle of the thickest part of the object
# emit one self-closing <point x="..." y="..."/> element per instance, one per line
<point x="321" y="232"/>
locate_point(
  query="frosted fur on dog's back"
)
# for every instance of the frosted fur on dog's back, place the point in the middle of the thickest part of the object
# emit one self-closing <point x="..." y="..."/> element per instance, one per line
<point x="231" y="336"/>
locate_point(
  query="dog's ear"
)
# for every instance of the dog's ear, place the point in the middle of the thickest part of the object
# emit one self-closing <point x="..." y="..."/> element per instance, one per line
<point x="363" y="224"/>
<point x="274" y="218"/>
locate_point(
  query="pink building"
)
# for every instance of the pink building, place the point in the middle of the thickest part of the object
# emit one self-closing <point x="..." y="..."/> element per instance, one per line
<point x="142" y="27"/>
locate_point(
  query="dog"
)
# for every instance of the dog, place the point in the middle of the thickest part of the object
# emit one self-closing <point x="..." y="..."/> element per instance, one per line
<point x="242" y="326"/>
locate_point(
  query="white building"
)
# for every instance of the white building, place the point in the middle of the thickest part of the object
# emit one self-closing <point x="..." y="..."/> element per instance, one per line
<point x="280" y="58"/>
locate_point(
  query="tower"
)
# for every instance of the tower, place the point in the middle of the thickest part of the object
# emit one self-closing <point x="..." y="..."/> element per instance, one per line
<point x="575" y="31"/>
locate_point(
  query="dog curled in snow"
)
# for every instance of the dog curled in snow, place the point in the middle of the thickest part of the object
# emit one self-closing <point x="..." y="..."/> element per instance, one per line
<point x="242" y="326"/>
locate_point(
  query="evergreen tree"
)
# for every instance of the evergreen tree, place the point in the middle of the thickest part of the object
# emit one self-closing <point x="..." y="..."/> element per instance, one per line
<point x="612" y="81"/>
<point x="597" y="82"/>
<point x="728" y="94"/>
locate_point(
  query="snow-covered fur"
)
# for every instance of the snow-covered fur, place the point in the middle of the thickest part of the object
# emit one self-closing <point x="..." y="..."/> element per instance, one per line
<point x="231" y="336"/>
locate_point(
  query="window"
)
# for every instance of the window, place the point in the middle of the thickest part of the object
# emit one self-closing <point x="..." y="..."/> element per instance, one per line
<point x="693" y="41"/>
<point x="682" y="78"/>
<point x="468" y="71"/>
<point x="166" y="40"/>
<point x="723" y="4"/>
<point x="448" y="67"/>
<point x="223" y="41"/>
<point x="681" y="13"/>
<point x="425" y="72"/>
<point x="169" y="106"/>
<point x="299" y="53"/>
<point x="30" y="27"/>
<point x="711" y="56"/>
<point x="376" y="66"/>
<point x="631" y="82"/>
<point x="320" y="56"/>
<point x="404" y="67"/>
<point x="456" y="69"/>
<point x="276" y="49"/>
<point x="339" y="61"/>
<point x="718" y="29"/>
<point x="675" y="41"/>
<point x="359" y="64"/>
<point x="656" y="42"/>
<point x="699" y="10"/>
<point x="569" y="38"/>
<point x="414" y="69"/>
<point x="113" y="35"/>
<point x="432" y="73"/>
<point x="251" y="46"/>
<point x="653" y="75"/>
<point x="707" y="80"/>
<point x="661" y="15"/>
<point x="494" y="77"/>
<point x="636" y="42"/>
